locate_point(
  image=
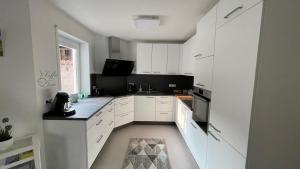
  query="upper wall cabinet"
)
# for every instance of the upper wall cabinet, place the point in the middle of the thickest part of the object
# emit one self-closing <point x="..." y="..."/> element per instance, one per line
<point x="205" y="37"/>
<point x="174" y="53"/>
<point x="159" y="58"/>
<point x="229" y="9"/>
<point x="187" y="65"/>
<point x="144" y="58"/>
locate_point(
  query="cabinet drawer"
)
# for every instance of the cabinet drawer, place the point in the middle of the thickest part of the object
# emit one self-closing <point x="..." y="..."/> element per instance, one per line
<point x="124" y="99"/>
<point x="164" y="116"/>
<point x="124" y="107"/>
<point x="95" y="119"/>
<point x="123" y="118"/>
<point x="95" y="146"/>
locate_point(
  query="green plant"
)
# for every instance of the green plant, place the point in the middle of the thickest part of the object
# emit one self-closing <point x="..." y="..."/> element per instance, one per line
<point x="5" y="132"/>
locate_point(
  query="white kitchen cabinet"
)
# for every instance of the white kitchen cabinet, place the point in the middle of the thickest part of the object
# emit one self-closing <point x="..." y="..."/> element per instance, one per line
<point x="220" y="155"/>
<point x="159" y="58"/>
<point x="230" y="9"/>
<point x="197" y="142"/>
<point x="180" y="117"/>
<point x="76" y="143"/>
<point x="144" y="108"/>
<point x="233" y="78"/>
<point x="187" y="64"/>
<point x="124" y="110"/>
<point x="144" y="58"/>
<point x="165" y="108"/>
<point x="203" y="72"/>
<point x="174" y="53"/>
<point x="205" y="36"/>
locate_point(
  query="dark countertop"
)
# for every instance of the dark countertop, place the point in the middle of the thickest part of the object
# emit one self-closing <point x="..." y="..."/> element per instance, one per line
<point x="85" y="109"/>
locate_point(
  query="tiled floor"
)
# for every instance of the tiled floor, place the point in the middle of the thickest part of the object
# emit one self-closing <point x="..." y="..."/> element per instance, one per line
<point x="113" y="153"/>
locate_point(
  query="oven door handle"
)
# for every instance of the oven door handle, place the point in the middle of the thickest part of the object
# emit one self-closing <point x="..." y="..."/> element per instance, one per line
<point x="201" y="98"/>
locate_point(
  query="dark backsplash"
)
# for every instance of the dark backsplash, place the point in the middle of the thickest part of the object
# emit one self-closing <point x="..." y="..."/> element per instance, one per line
<point x="114" y="85"/>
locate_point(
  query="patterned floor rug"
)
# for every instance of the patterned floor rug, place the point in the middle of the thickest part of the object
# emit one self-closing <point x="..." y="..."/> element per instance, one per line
<point x="146" y="153"/>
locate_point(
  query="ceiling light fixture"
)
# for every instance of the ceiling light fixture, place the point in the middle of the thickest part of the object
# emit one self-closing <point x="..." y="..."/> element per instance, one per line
<point x="147" y="22"/>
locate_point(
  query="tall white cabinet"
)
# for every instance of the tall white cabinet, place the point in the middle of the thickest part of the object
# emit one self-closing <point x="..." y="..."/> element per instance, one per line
<point x="235" y="59"/>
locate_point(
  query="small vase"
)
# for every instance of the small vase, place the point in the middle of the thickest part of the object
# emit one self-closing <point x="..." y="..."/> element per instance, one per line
<point x="4" y="145"/>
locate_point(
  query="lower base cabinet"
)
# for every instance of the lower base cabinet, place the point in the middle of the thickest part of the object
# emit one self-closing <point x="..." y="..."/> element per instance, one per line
<point x="144" y="108"/>
<point x="197" y="143"/>
<point x="124" y="110"/>
<point x="220" y="155"/>
<point x="75" y="144"/>
<point x="193" y="135"/>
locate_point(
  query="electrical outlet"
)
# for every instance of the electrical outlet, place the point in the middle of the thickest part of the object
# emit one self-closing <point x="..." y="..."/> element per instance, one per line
<point x="172" y="85"/>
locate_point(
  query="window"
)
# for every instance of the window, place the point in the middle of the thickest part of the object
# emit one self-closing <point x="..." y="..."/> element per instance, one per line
<point x="69" y="65"/>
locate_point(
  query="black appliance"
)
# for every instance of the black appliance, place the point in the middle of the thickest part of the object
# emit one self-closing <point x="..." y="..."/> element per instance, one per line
<point x="115" y="67"/>
<point x="60" y="106"/>
<point x="201" y="102"/>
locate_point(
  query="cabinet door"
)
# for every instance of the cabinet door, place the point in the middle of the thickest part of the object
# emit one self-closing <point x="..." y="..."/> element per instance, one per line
<point x="164" y="108"/>
<point x="144" y="108"/>
<point x="159" y="58"/>
<point x="144" y="52"/>
<point x="198" y="143"/>
<point x="187" y="59"/>
<point x="234" y="75"/>
<point x="206" y="29"/>
<point x="220" y="155"/>
<point x="173" y="58"/>
<point x="203" y="72"/>
<point x="230" y="9"/>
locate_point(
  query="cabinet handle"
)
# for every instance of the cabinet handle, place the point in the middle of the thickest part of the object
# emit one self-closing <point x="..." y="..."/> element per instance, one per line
<point x="199" y="84"/>
<point x="110" y="103"/>
<point x="99" y="139"/>
<point x="188" y="73"/>
<point x="156" y="72"/>
<point x="150" y="97"/>
<point x="209" y="132"/>
<point x="217" y="130"/>
<point x="123" y="104"/>
<point x="125" y="114"/>
<point x="163" y="113"/>
<point x="233" y="11"/>
<point x="198" y="55"/>
<point x="161" y="102"/>
<point x="110" y="110"/>
<point x="98" y="114"/>
<point x="146" y="72"/>
<point x="193" y="125"/>
<point x="99" y="122"/>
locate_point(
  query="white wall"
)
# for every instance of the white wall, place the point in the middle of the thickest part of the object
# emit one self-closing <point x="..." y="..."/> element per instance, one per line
<point x="101" y="53"/>
<point x="275" y="130"/>
<point x="17" y="81"/>
<point x="44" y="16"/>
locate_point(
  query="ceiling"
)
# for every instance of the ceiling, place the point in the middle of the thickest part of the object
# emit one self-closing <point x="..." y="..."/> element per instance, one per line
<point x="115" y="17"/>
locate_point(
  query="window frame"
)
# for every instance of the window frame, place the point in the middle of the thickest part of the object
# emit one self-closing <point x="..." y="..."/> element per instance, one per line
<point x="69" y="43"/>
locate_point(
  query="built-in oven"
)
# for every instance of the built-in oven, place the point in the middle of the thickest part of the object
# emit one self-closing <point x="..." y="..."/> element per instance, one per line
<point x="201" y="104"/>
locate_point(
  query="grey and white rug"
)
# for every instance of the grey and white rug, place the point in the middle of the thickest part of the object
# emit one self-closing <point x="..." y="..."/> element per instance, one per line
<point x="146" y="153"/>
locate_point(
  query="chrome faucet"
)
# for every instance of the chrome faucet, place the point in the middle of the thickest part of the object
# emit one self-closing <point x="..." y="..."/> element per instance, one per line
<point x="149" y="88"/>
